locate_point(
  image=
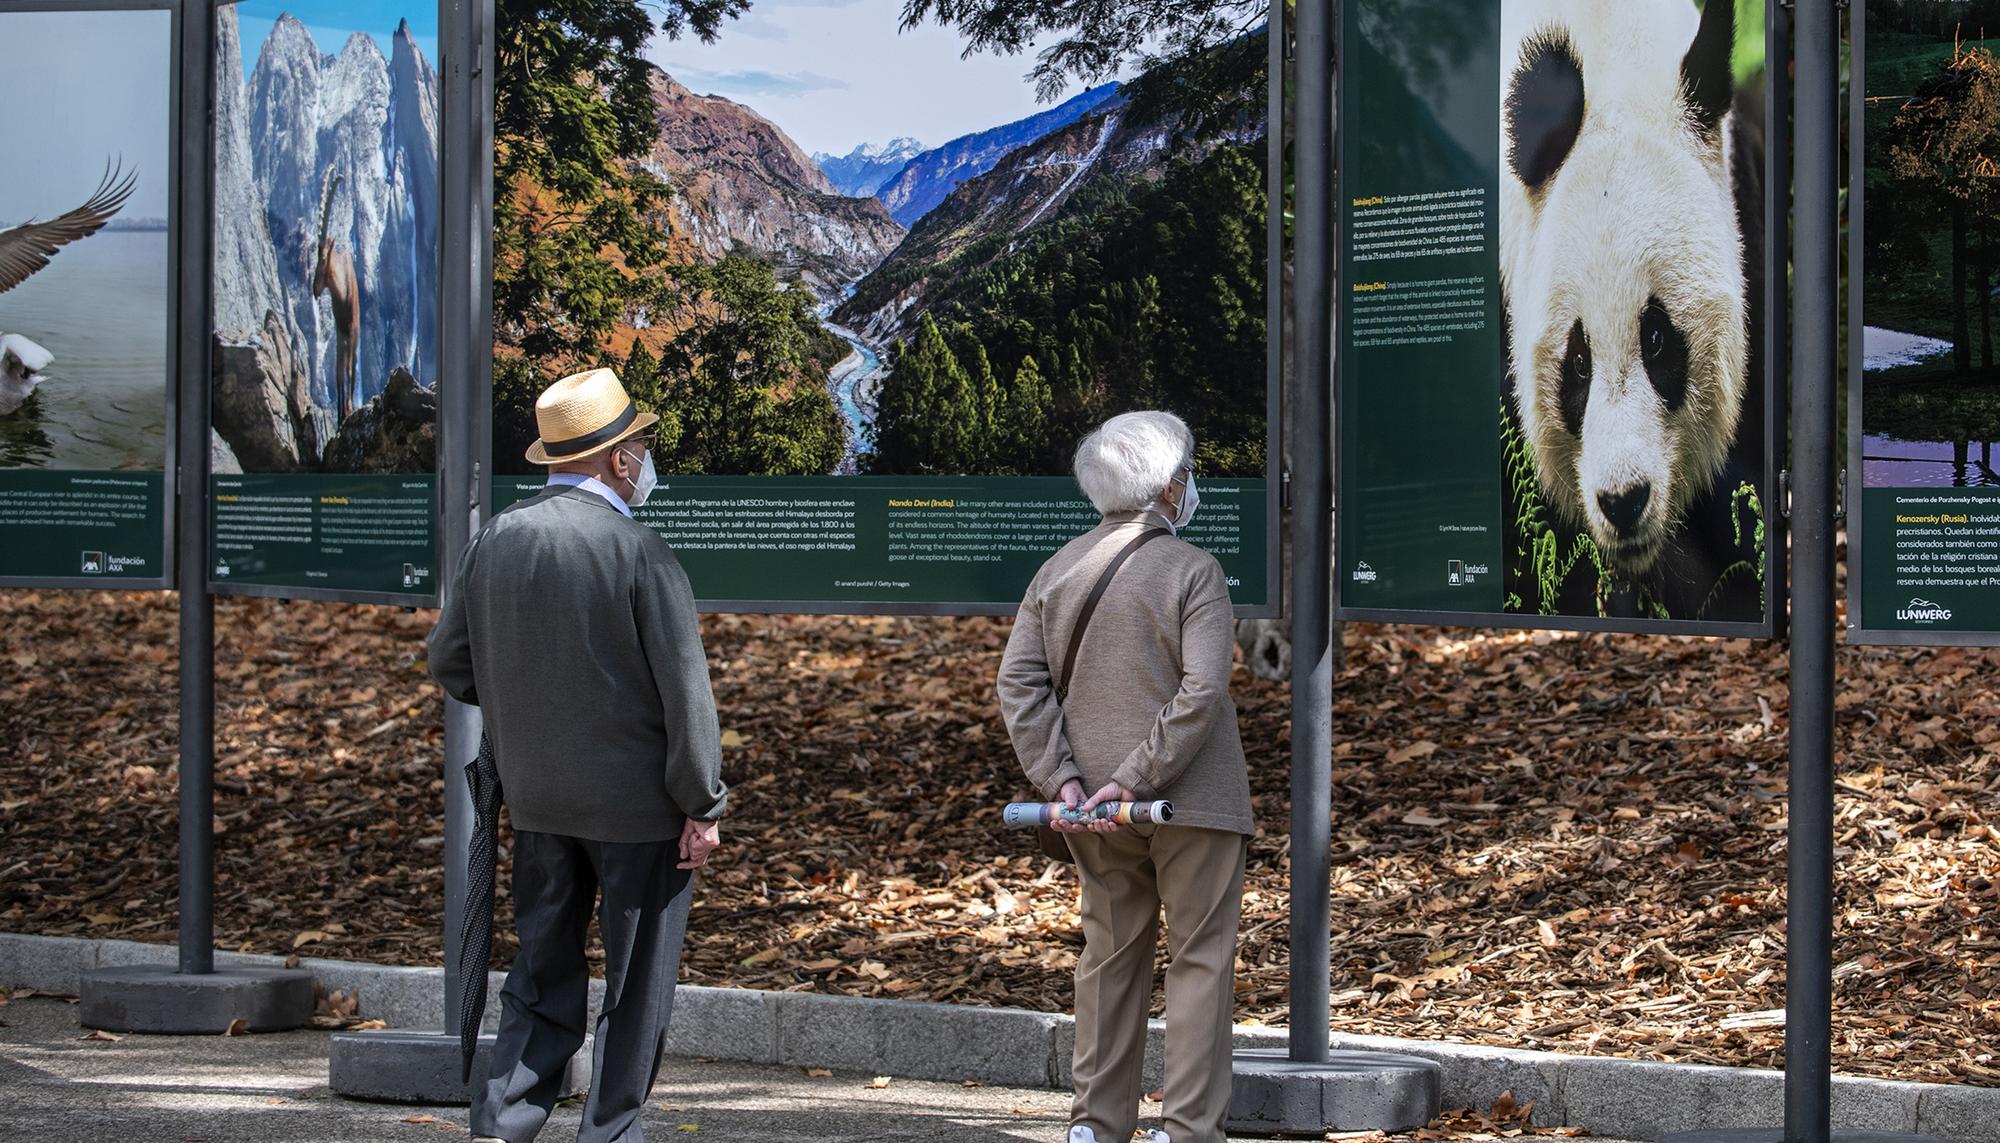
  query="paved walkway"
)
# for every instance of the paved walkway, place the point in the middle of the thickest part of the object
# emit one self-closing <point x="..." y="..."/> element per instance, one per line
<point x="57" y="1084"/>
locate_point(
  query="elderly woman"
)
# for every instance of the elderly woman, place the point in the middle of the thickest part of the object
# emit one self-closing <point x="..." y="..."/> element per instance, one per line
<point x="1147" y="715"/>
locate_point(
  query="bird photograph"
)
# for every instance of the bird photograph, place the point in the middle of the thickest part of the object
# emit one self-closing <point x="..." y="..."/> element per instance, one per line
<point x="85" y="266"/>
<point x="26" y="249"/>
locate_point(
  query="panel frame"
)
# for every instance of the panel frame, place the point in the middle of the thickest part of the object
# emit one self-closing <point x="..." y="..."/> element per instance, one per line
<point x="1275" y="474"/>
<point x="1776" y="338"/>
<point x="446" y="395"/>
<point x="1857" y="254"/>
<point x="180" y="136"/>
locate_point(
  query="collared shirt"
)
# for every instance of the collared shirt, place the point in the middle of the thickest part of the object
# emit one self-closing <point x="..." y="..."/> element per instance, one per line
<point x="579" y="480"/>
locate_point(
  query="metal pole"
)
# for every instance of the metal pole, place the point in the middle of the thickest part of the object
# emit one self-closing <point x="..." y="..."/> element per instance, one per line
<point x="457" y="488"/>
<point x="1809" y="939"/>
<point x="197" y="608"/>
<point x="1312" y="541"/>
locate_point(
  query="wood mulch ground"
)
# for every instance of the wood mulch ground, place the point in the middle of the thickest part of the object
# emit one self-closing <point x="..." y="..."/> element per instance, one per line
<point x="1572" y="843"/>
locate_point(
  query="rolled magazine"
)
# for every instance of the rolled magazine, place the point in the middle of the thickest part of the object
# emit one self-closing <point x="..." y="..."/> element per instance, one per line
<point x="1124" y="813"/>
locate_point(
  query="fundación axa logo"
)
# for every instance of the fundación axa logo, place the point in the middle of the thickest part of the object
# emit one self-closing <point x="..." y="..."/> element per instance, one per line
<point x="1922" y="611"/>
<point x="1363" y="573"/>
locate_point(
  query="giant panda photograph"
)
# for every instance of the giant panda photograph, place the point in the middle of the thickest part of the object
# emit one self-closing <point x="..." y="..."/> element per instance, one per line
<point x="1631" y="229"/>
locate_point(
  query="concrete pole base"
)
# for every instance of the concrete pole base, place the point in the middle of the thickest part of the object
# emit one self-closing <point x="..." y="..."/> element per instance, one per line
<point x="1777" y="1135"/>
<point x="1351" y="1091"/>
<point x="159" y="999"/>
<point x="403" y="1066"/>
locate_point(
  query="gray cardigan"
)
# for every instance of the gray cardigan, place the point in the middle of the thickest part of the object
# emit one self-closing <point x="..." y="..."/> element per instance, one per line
<point x="573" y="629"/>
<point x="1149" y="704"/>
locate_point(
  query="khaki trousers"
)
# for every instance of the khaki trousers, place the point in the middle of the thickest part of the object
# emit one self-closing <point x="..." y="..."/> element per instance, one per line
<point x="1198" y="875"/>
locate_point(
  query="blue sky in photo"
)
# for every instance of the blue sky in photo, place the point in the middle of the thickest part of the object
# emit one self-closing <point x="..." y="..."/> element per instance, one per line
<point x="84" y="88"/>
<point x="333" y="21"/>
<point x="836" y="73"/>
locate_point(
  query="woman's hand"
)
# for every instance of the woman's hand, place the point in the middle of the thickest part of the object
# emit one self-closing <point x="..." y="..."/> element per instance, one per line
<point x="1112" y="792"/>
<point x="1072" y="796"/>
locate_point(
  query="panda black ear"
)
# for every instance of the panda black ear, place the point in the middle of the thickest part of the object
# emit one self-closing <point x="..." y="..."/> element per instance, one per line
<point x="1544" y="108"/>
<point x="1705" y="72"/>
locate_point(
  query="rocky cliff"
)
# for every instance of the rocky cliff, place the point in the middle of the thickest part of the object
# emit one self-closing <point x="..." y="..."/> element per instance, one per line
<point x="246" y="266"/>
<point x="740" y="183"/>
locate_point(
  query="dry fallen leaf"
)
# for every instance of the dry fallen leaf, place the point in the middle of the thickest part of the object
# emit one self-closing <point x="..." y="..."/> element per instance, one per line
<point x="879" y="1082"/>
<point x="819" y="1073"/>
<point x="1412" y="752"/>
<point x="101" y="1034"/>
<point x="237" y="1027"/>
<point x="1542" y="738"/>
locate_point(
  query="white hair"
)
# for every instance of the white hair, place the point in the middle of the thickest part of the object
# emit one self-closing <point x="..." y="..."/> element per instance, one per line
<point x="1129" y="460"/>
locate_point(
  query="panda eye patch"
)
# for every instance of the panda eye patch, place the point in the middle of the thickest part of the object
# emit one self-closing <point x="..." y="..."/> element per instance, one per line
<point x="1544" y="108"/>
<point x="1575" y="392"/>
<point x="1665" y="352"/>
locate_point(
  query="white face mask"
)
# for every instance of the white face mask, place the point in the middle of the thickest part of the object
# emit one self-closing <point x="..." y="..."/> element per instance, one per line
<point x="648" y="480"/>
<point x="1190" y="500"/>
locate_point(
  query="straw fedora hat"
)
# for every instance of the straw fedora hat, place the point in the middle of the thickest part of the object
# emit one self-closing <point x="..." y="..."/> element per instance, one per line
<point x="582" y="414"/>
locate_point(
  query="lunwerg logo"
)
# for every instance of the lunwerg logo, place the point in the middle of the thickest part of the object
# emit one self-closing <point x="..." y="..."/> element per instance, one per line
<point x="1363" y="573"/>
<point x="1922" y="611"/>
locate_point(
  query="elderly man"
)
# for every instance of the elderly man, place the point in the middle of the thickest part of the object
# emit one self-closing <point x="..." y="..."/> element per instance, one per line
<point x="571" y="625"/>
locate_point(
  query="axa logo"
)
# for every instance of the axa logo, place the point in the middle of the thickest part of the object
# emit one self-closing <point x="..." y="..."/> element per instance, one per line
<point x="1363" y="573"/>
<point x="1922" y="611"/>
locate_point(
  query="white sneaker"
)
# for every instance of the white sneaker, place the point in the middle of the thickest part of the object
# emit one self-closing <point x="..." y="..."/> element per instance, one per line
<point x="1157" y="1136"/>
<point x="1082" y="1134"/>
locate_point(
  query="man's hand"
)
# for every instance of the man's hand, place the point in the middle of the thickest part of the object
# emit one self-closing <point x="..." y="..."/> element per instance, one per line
<point x="698" y="840"/>
<point x="1112" y="792"/>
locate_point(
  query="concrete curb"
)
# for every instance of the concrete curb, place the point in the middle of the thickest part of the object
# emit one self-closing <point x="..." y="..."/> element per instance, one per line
<point x="1629" y="1099"/>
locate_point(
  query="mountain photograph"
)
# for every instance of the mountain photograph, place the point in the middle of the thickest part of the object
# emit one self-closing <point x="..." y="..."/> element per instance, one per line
<point x="326" y="238"/>
<point x="798" y="287"/>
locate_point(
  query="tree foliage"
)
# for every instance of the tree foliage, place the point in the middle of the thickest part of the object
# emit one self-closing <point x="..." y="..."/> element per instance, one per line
<point x="581" y="254"/>
<point x="1093" y="39"/>
<point x="1943" y="151"/>
<point x="1144" y="295"/>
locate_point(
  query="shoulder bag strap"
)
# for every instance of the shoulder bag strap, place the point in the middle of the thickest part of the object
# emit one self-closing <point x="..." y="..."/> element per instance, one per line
<point x="1090" y="607"/>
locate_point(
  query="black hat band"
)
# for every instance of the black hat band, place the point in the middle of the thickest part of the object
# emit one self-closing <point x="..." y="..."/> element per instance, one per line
<point x="591" y="440"/>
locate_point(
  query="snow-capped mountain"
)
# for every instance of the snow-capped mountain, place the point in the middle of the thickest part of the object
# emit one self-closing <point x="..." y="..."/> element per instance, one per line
<point x="862" y="171"/>
<point x="929" y="178"/>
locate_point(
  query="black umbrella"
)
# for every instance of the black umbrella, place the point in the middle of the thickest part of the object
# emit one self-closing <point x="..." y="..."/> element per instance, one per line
<point x="482" y="858"/>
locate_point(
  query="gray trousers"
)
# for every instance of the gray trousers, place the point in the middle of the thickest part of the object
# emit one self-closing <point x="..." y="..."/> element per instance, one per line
<point x="546" y="999"/>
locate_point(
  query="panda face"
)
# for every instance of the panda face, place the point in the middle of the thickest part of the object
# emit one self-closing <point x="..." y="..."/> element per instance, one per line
<point x="1622" y="267"/>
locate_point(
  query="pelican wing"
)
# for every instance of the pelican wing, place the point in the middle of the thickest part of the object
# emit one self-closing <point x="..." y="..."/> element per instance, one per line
<point x="27" y="248"/>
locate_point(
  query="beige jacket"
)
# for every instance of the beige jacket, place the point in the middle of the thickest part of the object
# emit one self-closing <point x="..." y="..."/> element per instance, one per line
<point x="1149" y="704"/>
